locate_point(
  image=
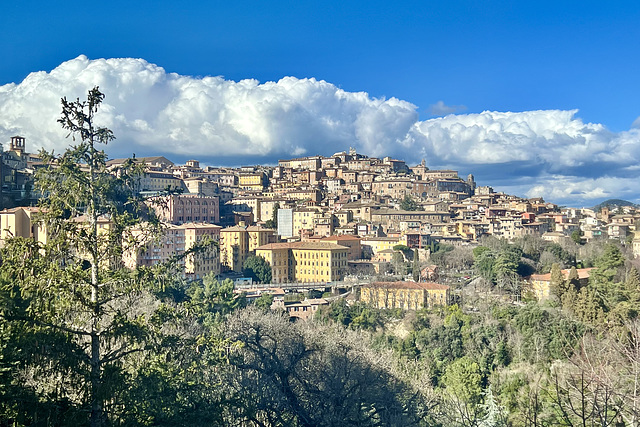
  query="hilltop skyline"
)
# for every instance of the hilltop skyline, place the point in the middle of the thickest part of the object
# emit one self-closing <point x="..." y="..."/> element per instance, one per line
<point x="533" y="99"/>
<point x="547" y="153"/>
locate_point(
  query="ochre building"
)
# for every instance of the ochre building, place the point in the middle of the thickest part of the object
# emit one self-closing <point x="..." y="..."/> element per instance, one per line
<point x="405" y="295"/>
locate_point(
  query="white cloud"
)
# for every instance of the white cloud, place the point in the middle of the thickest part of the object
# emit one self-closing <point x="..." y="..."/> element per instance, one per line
<point x="148" y="108"/>
<point x="441" y="109"/>
<point x="151" y="111"/>
<point x="554" y="137"/>
<point x="587" y="190"/>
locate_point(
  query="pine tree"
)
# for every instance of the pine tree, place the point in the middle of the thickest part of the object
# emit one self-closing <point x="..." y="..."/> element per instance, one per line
<point x="557" y="285"/>
<point x="72" y="292"/>
<point x="632" y="286"/>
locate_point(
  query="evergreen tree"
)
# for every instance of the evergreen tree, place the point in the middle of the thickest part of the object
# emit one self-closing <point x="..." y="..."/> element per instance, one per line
<point x="85" y="320"/>
<point x="558" y="285"/>
<point x="573" y="281"/>
<point x="257" y="268"/>
<point x="409" y="204"/>
<point x="415" y="268"/>
<point x="632" y="286"/>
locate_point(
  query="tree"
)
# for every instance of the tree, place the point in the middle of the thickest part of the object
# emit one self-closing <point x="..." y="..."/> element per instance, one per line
<point x="484" y="260"/>
<point x="213" y="298"/>
<point x="398" y="262"/>
<point x="308" y="374"/>
<point x="557" y="283"/>
<point x="409" y="204"/>
<point x="505" y="267"/>
<point x="264" y="301"/>
<point x="415" y="267"/>
<point x="576" y="236"/>
<point x="273" y="222"/>
<point x="257" y="268"/>
<point x="73" y="291"/>
<point x="463" y="392"/>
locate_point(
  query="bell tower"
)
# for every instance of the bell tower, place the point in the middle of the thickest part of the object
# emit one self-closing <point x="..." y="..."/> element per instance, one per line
<point x="17" y="144"/>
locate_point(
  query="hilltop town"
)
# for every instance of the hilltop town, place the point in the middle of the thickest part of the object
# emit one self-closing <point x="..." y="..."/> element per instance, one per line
<point x="199" y="280"/>
<point x="346" y="212"/>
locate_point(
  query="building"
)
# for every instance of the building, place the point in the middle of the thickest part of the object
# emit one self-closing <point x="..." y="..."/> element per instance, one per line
<point x="303" y="310"/>
<point x="150" y="250"/>
<point x="239" y="242"/>
<point x="175" y="241"/>
<point x="255" y="181"/>
<point x="152" y="181"/>
<point x="260" y="236"/>
<point x="349" y="241"/>
<point x="21" y="222"/>
<point x="405" y="295"/>
<point x="541" y="283"/>
<point x="205" y="260"/>
<point x="234" y="247"/>
<point x="305" y="262"/>
<point x="182" y="208"/>
<point x="373" y="245"/>
<point x="285" y="223"/>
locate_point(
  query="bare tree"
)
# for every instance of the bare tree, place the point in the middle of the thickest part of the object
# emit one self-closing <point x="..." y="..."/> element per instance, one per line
<point x="312" y="375"/>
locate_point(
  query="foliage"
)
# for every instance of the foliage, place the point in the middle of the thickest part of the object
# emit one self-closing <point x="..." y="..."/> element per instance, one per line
<point x="409" y="204"/>
<point x="273" y="221"/>
<point x="293" y="374"/>
<point x="82" y="333"/>
<point x="257" y="268"/>
<point x="264" y="301"/>
<point x="210" y="300"/>
<point x="576" y="236"/>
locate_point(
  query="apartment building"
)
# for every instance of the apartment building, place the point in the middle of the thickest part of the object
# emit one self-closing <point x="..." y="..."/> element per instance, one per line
<point x="182" y="208"/>
<point x="308" y="262"/>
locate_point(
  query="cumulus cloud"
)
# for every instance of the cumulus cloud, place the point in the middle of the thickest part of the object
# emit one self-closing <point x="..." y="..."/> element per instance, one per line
<point x="441" y="109"/>
<point x="551" y="152"/>
<point x="148" y="108"/>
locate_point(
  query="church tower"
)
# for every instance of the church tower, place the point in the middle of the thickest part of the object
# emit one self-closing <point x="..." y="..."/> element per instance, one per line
<point x="17" y="144"/>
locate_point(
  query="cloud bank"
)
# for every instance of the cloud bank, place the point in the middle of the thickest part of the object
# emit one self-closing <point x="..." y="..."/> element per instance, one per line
<point x="550" y="153"/>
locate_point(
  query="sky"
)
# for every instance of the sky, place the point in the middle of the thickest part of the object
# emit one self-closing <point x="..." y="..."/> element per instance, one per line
<point x="533" y="98"/>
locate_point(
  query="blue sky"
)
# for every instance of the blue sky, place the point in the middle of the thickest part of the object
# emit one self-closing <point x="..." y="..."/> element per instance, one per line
<point x="465" y="57"/>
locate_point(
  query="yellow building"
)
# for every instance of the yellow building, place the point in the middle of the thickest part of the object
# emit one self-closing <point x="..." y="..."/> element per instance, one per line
<point x="405" y="295"/>
<point x="316" y="262"/>
<point x="260" y="236"/>
<point x="252" y="181"/>
<point x="304" y="219"/>
<point x="541" y="283"/>
<point x="373" y="245"/>
<point x="21" y="222"/>
<point x="234" y="247"/>
<point x="200" y="263"/>
<point x="279" y="258"/>
<point x="237" y="243"/>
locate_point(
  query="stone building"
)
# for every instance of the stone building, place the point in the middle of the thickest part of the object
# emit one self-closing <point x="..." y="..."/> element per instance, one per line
<point x="405" y="295"/>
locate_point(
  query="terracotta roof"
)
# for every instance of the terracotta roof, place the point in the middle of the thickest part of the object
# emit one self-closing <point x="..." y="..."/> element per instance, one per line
<point x="342" y="237"/>
<point x="271" y="246"/>
<point x="583" y="273"/>
<point x="200" y="225"/>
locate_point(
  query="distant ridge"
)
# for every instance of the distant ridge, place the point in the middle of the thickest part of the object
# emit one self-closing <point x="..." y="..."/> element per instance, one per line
<point x="613" y="203"/>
